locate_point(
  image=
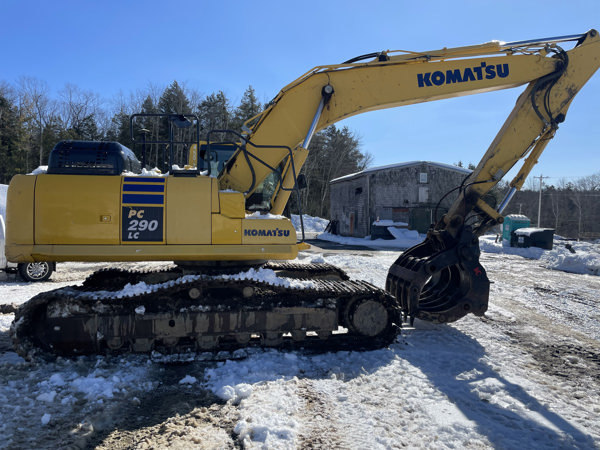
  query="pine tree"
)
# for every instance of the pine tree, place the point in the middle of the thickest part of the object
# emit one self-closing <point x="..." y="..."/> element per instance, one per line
<point x="120" y="129"/>
<point x="174" y="101"/>
<point x="51" y="136"/>
<point x="214" y="113"/>
<point x="12" y="157"/>
<point x="248" y="108"/>
<point x="150" y="124"/>
<point x="87" y="129"/>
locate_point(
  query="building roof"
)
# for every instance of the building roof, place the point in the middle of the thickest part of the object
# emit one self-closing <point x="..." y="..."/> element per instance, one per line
<point x="400" y="165"/>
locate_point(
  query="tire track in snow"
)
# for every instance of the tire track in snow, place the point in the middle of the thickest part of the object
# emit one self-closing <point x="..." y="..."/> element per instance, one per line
<point x="320" y="427"/>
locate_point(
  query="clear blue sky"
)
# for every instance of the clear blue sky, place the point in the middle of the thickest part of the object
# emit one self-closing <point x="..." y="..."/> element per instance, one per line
<point x="122" y="46"/>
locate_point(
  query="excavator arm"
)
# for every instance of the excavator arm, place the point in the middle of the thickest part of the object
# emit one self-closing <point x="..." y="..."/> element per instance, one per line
<point x="327" y="94"/>
<point x="440" y="279"/>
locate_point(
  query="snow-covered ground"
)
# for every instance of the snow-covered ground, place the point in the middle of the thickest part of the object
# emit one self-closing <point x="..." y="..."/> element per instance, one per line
<point x="527" y="375"/>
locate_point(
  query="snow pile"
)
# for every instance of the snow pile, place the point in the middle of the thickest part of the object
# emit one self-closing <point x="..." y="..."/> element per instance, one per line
<point x="488" y="244"/>
<point x="39" y="170"/>
<point x="567" y="256"/>
<point x="261" y="215"/>
<point x="403" y="239"/>
<point x="311" y="224"/>
<point x="585" y="260"/>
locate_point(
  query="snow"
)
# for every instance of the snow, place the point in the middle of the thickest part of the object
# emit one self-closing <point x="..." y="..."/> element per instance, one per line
<point x="524" y="376"/>
<point x="311" y="224"/>
<point x="261" y="215"/>
<point x="39" y="170"/>
<point x="528" y="231"/>
<point x="403" y="239"/>
<point x="400" y="165"/>
<point x="3" y="191"/>
<point x="468" y="384"/>
<point x="585" y="260"/>
<point x="188" y="379"/>
<point x="389" y="223"/>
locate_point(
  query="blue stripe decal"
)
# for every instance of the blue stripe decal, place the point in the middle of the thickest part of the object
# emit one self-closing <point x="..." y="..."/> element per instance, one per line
<point x="144" y="180"/>
<point x="143" y="187"/>
<point x="143" y="198"/>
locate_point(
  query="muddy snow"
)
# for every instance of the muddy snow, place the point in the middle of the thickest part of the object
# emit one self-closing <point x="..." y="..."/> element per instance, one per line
<point x="527" y="375"/>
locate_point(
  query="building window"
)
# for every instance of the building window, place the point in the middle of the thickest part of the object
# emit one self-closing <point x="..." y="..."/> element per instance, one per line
<point x="358" y="191"/>
<point x="423" y="177"/>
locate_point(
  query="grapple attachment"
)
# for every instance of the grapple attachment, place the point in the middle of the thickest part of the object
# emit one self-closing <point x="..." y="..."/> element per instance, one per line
<point x="440" y="280"/>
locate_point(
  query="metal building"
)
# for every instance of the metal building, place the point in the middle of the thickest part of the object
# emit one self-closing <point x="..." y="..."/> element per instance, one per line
<point x="405" y="192"/>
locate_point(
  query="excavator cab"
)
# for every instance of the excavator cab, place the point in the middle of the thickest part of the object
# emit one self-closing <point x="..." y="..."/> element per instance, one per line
<point x="213" y="156"/>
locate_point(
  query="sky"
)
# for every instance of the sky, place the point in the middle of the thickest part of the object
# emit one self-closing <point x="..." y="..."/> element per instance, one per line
<point x="115" y="48"/>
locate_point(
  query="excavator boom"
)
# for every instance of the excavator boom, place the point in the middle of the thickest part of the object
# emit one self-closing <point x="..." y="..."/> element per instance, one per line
<point x="327" y="94"/>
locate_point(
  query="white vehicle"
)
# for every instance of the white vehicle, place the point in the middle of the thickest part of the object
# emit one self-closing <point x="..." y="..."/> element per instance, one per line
<point x="33" y="271"/>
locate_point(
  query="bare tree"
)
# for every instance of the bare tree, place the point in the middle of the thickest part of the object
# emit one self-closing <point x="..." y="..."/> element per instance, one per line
<point x="77" y="105"/>
<point x="37" y="109"/>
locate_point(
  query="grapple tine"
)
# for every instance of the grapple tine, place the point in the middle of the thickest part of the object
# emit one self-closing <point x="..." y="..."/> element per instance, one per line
<point x="441" y="279"/>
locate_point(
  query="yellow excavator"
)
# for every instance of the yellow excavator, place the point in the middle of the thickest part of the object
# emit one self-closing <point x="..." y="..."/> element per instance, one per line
<point x="233" y="284"/>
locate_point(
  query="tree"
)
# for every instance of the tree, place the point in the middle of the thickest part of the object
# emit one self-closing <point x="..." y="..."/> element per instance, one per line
<point x="174" y="101"/>
<point x="119" y="130"/>
<point x="52" y="134"/>
<point x="149" y="107"/>
<point x="87" y="129"/>
<point x="214" y="113"/>
<point x="79" y="110"/>
<point x="333" y="153"/>
<point x="249" y="107"/>
<point x="13" y="159"/>
<point x="40" y="110"/>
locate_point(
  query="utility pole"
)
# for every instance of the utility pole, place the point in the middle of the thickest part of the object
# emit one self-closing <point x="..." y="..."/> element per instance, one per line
<point x="541" y="177"/>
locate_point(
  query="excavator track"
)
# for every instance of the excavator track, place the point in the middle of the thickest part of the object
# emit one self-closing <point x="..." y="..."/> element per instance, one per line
<point x="279" y="305"/>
